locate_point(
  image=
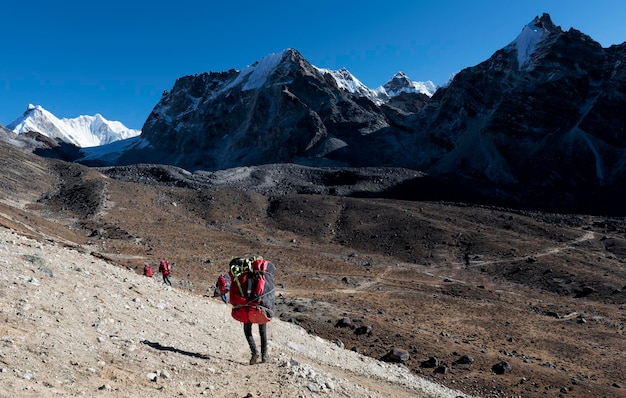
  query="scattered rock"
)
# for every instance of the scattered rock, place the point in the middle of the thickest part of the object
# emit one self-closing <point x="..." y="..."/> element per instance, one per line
<point x="430" y="362"/>
<point x="553" y="314"/>
<point x="314" y="387"/>
<point x="164" y="374"/>
<point x="339" y="343"/>
<point x="465" y="360"/>
<point x="343" y="323"/>
<point x="502" y="367"/>
<point x="585" y="291"/>
<point x="396" y="355"/>
<point x="365" y="329"/>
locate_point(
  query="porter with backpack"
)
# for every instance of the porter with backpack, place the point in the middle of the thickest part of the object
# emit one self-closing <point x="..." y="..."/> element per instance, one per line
<point x="166" y="269"/>
<point x="223" y="287"/>
<point x="252" y="297"/>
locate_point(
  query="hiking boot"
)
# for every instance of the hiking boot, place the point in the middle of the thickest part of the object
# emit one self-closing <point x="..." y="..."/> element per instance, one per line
<point x="264" y="358"/>
<point x="255" y="357"/>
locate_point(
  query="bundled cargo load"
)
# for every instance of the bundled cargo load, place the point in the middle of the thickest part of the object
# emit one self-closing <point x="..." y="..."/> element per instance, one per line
<point x="252" y="289"/>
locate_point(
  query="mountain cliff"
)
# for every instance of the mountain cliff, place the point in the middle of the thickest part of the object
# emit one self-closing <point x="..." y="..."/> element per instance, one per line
<point x="539" y="119"/>
<point x="281" y="109"/>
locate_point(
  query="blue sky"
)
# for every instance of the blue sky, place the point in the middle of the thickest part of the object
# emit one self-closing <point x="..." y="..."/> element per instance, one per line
<point x="117" y="57"/>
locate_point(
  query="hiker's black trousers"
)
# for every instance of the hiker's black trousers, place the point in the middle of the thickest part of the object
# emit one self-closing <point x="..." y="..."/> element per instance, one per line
<point x="247" y="329"/>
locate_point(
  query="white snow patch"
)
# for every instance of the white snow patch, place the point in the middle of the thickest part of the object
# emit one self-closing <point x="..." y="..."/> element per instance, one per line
<point x="526" y="43"/>
<point x="348" y="82"/>
<point x="256" y="74"/>
<point x="345" y="80"/>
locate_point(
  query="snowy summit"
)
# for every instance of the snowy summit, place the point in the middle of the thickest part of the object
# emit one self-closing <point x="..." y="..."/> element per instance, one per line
<point x="533" y="33"/>
<point x="399" y="83"/>
<point x="82" y="131"/>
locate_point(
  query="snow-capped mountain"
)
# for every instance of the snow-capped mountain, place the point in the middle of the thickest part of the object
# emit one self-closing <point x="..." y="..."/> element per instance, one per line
<point x="398" y="84"/>
<point x="279" y="109"/>
<point x="82" y="131"/>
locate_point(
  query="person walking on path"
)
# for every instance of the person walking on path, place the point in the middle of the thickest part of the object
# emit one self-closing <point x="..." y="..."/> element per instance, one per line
<point x="252" y="297"/>
<point x="166" y="269"/>
<point x="223" y="287"/>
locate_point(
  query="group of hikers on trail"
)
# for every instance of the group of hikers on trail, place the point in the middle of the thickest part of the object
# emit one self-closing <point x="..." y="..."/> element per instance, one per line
<point x="249" y="287"/>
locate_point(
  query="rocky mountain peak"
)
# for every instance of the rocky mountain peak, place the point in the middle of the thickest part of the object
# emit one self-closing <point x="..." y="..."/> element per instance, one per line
<point x="545" y="23"/>
<point x="529" y="39"/>
<point x="397" y="82"/>
<point x="401" y="83"/>
<point x="281" y="106"/>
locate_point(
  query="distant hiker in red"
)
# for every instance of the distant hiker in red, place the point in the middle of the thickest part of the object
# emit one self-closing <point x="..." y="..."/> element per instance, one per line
<point x="166" y="269"/>
<point x="252" y="298"/>
<point x="223" y="286"/>
<point x="147" y="270"/>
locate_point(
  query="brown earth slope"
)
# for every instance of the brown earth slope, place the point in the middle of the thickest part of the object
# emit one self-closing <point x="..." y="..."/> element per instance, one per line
<point x="460" y="288"/>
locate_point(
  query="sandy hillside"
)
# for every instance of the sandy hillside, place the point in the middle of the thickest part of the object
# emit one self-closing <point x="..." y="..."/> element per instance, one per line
<point x="73" y="325"/>
<point x="461" y="288"/>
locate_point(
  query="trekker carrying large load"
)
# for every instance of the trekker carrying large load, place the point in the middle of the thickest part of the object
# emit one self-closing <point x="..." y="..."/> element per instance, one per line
<point x="166" y="269"/>
<point x="252" y="297"/>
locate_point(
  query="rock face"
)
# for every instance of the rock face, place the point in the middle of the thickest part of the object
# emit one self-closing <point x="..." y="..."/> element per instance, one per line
<point x="539" y="116"/>
<point x="282" y="109"/>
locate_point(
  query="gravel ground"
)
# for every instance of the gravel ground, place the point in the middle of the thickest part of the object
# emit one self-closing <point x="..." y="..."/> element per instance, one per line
<point x="73" y="325"/>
